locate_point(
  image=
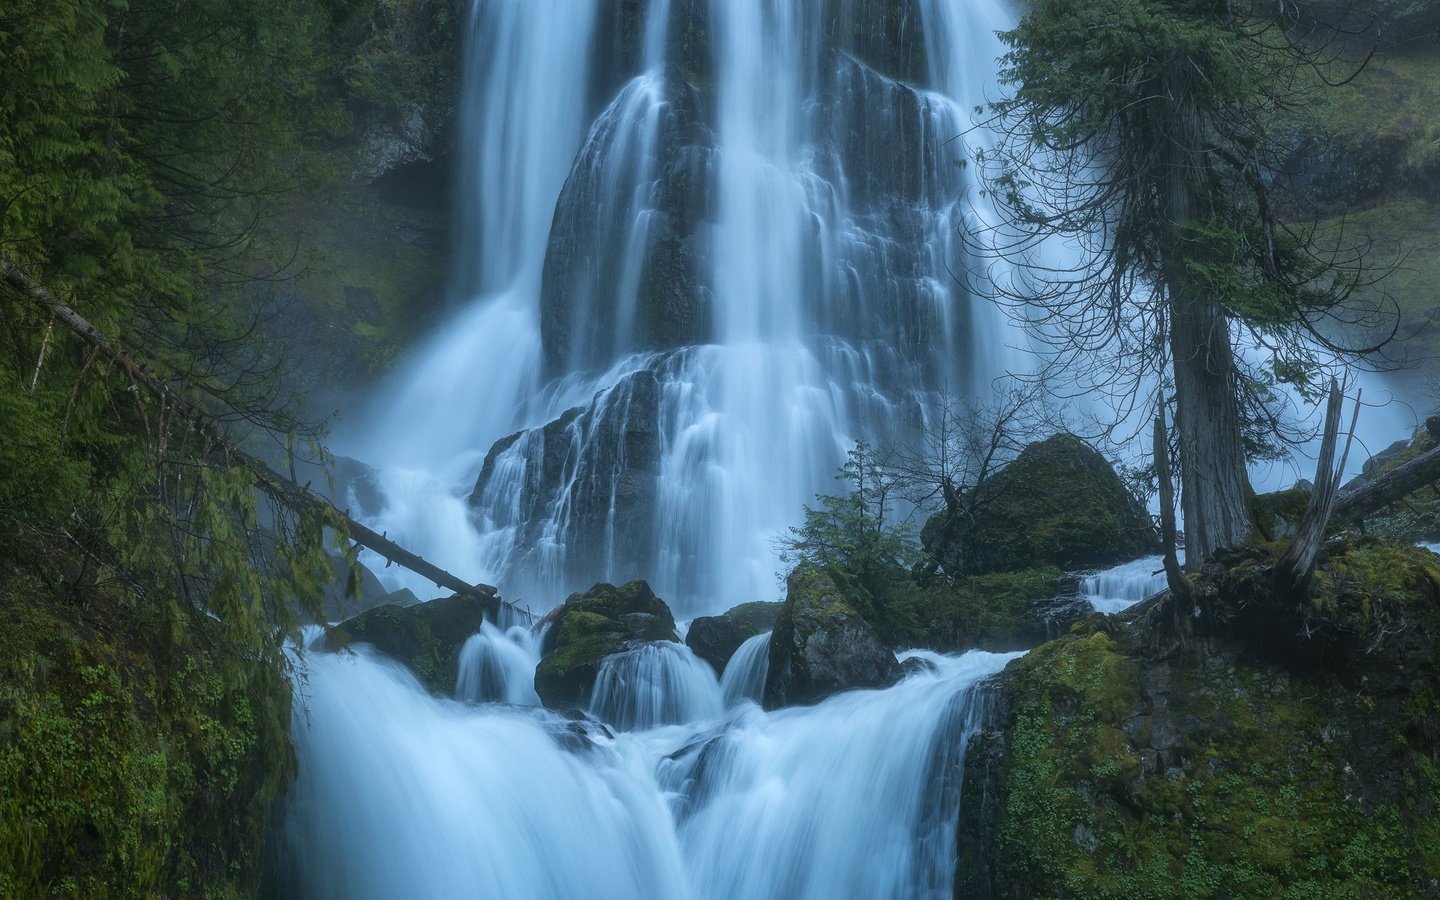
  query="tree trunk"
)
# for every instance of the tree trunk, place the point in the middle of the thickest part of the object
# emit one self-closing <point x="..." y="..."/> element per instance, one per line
<point x="1214" y="487"/>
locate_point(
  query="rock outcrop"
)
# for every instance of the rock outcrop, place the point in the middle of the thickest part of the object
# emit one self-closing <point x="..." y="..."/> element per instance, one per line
<point x="1261" y="746"/>
<point x="821" y="645"/>
<point x="1058" y="503"/>
<point x="716" y="638"/>
<point x="426" y="637"/>
<point x="591" y="626"/>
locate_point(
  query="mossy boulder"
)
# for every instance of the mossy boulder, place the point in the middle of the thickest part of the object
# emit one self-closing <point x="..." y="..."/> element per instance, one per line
<point x="716" y="638"/>
<point x="1058" y="503"/>
<point x="998" y="611"/>
<point x="591" y="626"/>
<point x="820" y="644"/>
<point x="1269" y="747"/>
<point x="1279" y="513"/>
<point x="425" y="636"/>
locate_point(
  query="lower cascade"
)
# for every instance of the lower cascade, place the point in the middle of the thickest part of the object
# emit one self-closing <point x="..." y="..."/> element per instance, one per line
<point x="404" y="794"/>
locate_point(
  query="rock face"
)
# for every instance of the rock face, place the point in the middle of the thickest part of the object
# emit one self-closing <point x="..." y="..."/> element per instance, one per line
<point x="1283" y="746"/>
<point x="1000" y="611"/>
<point x="425" y="636"/>
<point x="593" y="306"/>
<point x="589" y="627"/>
<point x="586" y="480"/>
<point x="821" y="645"/>
<point x="1058" y="503"/>
<point x="716" y="638"/>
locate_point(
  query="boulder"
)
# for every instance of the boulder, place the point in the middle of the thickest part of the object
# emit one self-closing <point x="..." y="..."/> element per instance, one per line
<point x="1058" y="503"/>
<point x="1000" y="611"/>
<point x="424" y="636"/>
<point x="591" y="626"/>
<point x="716" y="638"/>
<point x="821" y="645"/>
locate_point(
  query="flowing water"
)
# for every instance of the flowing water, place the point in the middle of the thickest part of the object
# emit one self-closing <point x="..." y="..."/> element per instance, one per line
<point x="401" y="794"/>
<point x="702" y="249"/>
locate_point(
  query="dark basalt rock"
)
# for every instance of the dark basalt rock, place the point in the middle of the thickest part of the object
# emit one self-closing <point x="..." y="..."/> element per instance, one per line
<point x="821" y="645"/>
<point x="605" y="456"/>
<point x="426" y="637"/>
<point x="586" y="258"/>
<point x="716" y="638"/>
<point x="591" y="626"/>
<point x="1058" y="503"/>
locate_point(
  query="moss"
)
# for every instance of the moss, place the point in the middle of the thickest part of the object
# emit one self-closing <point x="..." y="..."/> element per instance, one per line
<point x="137" y="756"/>
<point x="590" y="626"/>
<point x="1216" y="773"/>
<point x="1058" y="503"/>
<point x="993" y="611"/>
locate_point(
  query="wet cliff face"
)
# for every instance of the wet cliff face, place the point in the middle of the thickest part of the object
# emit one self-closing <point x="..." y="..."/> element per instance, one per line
<point x="1280" y="747"/>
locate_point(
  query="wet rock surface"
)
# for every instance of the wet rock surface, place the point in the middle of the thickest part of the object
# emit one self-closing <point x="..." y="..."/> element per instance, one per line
<point x="821" y="645"/>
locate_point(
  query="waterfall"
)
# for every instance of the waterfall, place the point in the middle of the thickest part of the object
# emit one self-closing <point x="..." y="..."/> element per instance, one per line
<point x="498" y="665"/>
<point x="400" y="794"/>
<point x="702" y="248"/>
<point x="1122" y="586"/>
<point x="660" y="683"/>
<point x="744" y="677"/>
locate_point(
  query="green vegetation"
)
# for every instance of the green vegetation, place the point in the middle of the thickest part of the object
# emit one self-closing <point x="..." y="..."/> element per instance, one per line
<point x="1219" y="770"/>
<point x="154" y="162"/>
<point x="139" y="751"/>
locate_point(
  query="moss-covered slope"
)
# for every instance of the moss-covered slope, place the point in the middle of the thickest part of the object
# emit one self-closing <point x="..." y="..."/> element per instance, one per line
<point x="1264" y="749"/>
<point x="138" y="757"/>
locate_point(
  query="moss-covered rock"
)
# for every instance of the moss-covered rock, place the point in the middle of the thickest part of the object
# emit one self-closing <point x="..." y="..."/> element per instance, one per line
<point x="139" y="756"/>
<point x="822" y="645"/>
<point x="1058" y="503"/>
<point x="591" y="626"/>
<point x="998" y="611"/>
<point x="1283" y="748"/>
<point x="425" y="636"/>
<point x="716" y="638"/>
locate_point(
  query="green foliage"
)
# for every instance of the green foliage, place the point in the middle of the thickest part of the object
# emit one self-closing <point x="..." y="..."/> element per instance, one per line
<point x="853" y="537"/>
<point x="1213" y="773"/>
<point x="137" y="757"/>
<point x="993" y="611"/>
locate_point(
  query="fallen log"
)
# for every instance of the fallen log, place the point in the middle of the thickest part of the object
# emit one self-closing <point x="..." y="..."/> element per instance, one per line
<point x="1374" y="495"/>
<point x="297" y="497"/>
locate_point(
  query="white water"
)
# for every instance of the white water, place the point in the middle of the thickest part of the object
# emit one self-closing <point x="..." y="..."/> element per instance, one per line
<point x="744" y="677"/>
<point x="1118" y="588"/>
<point x="829" y="196"/>
<point x="404" y="795"/>
<point x="662" y="683"/>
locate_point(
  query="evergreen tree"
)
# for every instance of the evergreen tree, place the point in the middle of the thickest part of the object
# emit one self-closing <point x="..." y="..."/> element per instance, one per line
<point x="1142" y="132"/>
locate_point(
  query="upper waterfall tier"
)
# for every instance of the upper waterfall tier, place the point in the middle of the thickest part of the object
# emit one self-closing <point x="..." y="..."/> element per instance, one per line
<point x="706" y="246"/>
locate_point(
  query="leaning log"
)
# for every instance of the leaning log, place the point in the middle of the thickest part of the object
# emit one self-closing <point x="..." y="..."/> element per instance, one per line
<point x="295" y="496"/>
<point x="1374" y="495"/>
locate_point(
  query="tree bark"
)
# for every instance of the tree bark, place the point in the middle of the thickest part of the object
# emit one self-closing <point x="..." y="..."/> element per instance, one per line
<point x="1293" y="571"/>
<point x="1214" y="488"/>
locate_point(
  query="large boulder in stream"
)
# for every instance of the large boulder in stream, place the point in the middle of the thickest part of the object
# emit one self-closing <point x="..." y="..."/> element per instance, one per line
<point x="821" y="645"/>
<point x="716" y="638"/>
<point x="1058" y="503"/>
<point x="591" y="626"/>
<point x="425" y="636"/>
